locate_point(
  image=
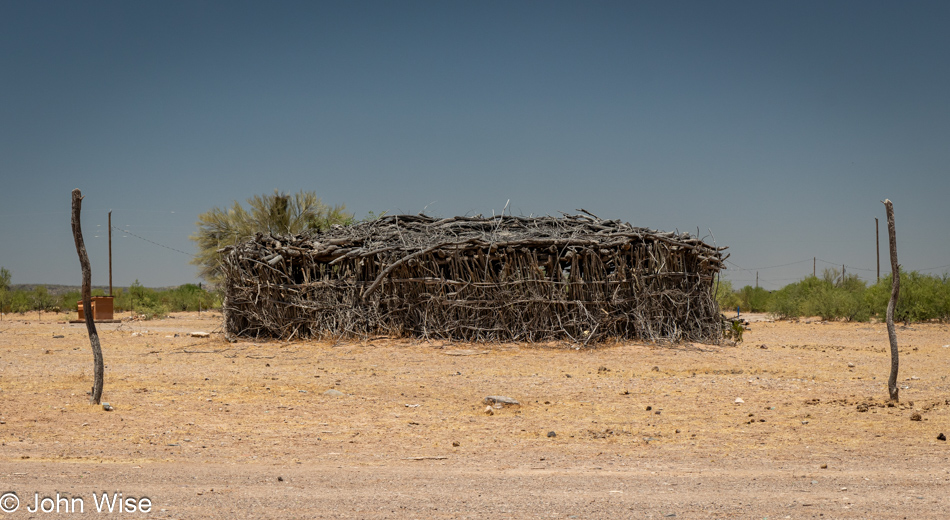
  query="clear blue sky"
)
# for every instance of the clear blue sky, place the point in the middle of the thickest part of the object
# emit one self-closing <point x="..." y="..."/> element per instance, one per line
<point x="779" y="126"/>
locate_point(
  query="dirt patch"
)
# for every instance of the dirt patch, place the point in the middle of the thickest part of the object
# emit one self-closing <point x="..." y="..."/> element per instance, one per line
<point x="409" y="426"/>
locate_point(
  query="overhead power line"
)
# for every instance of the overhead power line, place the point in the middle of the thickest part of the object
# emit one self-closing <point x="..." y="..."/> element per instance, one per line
<point x="152" y="242"/>
<point x="739" y="268"/>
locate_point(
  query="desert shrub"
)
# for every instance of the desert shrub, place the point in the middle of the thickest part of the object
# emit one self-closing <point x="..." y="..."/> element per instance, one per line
<point x="154" y="303"/>
<point x="845" y="301"/>
<point x="922" y="297"/>
<point x="754" y="299"/>
<point x="18" y="301"/>
<point x="145" y="302"/>
<point x="40" y="299"/>
<point x="726" y="296"/>
<point x="189" y="297"/>
<point x="831" y="297"/>
<point x="790" y="301"/>
<point x="148" y="302"/>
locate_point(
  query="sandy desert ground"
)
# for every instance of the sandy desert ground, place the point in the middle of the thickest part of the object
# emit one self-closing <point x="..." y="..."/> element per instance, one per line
<point x="204" y="428"/>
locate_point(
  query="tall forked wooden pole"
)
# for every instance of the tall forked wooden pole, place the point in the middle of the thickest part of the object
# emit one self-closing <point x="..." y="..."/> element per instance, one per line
<point x="892" y="390"/>
<point x="98" y="368"/>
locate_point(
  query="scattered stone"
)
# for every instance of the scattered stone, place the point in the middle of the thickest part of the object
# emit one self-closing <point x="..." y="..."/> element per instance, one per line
<point x="489" y="410"/>
<point x="850" y="365"/>
<point x="739" y="400"/>
<point x="649" y="408"/>
<point x="941" y="437"/>
<point x="552" y="434"/>
<point x="280" y="479"/>
<point x="58" y="336"/>
<point x="655" y="369"/>
<point x="915" y="416"/>
<point x="862" y="407"/>
<point x="456" y="444"/>
<point x="824" y="466"/>
<point x="333" y="393"/>
<point x="201" y="334"/>
<point x="107" y="407"/>
<point x="763" y="346"/>
<point x="501" y="400"/>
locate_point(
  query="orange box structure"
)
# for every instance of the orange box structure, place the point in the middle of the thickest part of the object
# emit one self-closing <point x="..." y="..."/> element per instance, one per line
<point x="102" y="308"/>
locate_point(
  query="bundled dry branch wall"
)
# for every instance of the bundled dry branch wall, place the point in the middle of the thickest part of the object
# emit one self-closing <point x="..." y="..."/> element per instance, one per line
<point x="577" y="278"/>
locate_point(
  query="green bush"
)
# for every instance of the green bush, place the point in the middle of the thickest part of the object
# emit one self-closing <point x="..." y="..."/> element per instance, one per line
<point x="922" y="297"/>
<point x="147" y="302"/>
<point x="153" y="303"/>
<point x="754" y="299"/>
<point x="796" y="299"/>
<point x="726" y="297"/>
<point x="189" y="297"/>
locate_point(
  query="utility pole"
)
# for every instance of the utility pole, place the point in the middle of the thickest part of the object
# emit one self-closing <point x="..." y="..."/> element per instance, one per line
<point x="110" y="252"/>
<point x="877" y="240"/>
<point x="756" y="279"/>
<point x="814" y="262"/>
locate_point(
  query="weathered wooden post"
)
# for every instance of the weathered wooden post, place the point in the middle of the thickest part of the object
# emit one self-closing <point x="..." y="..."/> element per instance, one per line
<point x="98" y="368"/>
<point x="892" y="389"/>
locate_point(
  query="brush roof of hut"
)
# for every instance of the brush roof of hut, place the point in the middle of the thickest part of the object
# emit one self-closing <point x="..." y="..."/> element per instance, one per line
<point x="400" y="237"/>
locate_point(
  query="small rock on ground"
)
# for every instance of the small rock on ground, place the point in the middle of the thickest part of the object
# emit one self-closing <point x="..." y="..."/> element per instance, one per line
<point x="333" y="393"/>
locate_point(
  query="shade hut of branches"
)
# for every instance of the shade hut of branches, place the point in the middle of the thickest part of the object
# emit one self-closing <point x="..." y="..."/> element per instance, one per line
<point x="577" y="278"/>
